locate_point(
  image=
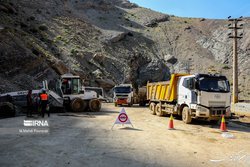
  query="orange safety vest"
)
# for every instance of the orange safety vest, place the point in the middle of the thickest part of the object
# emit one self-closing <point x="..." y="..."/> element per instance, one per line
<point x="44" y="97"/>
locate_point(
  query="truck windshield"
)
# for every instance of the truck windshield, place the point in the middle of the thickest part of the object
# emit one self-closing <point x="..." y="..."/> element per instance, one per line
<point x="122" y="89"/>
<point x="213" y="85"/>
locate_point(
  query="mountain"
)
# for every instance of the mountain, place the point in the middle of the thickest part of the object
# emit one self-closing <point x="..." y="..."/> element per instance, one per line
<point x="111" y="42"/>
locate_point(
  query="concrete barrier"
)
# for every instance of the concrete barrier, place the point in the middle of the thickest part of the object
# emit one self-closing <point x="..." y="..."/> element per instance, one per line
<point x="241" y="109"/>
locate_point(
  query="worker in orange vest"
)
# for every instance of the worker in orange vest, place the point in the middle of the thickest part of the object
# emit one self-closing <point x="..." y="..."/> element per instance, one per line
<point x="44" y="103"/>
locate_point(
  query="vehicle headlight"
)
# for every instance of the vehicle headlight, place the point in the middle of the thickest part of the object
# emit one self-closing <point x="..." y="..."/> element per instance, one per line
<point x="201" y="109"/>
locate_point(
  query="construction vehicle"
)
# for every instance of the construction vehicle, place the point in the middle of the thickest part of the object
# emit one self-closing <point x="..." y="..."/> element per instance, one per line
<point x="70" y="94"/>
<point x="75" y="96"/>
<point x="203" y="96"/>
<point x="123" y="94"/>
<point x="140" y="97"/>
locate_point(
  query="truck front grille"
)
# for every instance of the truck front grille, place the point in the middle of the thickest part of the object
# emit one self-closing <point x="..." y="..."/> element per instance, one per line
<point x="218" y="112"/>
<point x="121" y="96"/>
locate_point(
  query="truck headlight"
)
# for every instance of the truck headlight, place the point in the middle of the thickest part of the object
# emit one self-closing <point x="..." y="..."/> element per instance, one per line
<point x="202" y="109"/>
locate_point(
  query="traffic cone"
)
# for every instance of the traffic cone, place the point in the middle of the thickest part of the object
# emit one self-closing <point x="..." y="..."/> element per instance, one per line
<point x="171" y="123"/>
<point x="223" y="124"/>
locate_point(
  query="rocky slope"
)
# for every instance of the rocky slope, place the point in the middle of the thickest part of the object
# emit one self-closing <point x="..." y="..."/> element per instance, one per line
<point x="110" y="42"/>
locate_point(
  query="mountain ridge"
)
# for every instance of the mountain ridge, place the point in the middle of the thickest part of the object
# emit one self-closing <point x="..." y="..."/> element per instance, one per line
<point x="109" y="42"/>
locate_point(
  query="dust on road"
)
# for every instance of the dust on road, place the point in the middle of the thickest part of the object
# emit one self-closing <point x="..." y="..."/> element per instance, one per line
<point x="86" y="139"/>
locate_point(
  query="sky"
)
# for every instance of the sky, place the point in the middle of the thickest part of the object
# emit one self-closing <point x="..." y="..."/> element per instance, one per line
<point x="211" y="9"/>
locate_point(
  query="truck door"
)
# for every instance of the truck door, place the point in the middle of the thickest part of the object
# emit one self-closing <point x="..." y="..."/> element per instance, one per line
<point x="184" y="91"/>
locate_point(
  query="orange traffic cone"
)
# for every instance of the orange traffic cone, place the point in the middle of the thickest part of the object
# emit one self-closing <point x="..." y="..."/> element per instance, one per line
<point x="171" y="123"/>
<point x="223" y="124"/>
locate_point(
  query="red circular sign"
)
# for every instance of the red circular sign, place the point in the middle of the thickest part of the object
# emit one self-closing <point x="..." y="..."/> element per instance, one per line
<point x="123" y="117"/>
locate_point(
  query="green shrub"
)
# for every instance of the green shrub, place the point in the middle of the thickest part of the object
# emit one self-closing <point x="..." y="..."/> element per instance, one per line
<point x="225" y="67"/>
<point x="43" y="27"/>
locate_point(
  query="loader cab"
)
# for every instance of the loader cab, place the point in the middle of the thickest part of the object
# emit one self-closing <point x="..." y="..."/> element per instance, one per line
<point x="69" y="85"/>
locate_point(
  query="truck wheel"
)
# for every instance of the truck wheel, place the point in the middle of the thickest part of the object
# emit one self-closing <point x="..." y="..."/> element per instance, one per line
<point x="186" y="117"/>
<point x="95" y="105"/>
<point x="152" y="108"/>
<point x="78" y="105"/>
<point x="7" y="109"/>
<point x="158" y="110"/>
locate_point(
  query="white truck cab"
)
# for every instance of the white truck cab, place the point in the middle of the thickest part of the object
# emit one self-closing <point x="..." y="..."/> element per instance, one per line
<point x="207" y="96"/>
<point x="123" y="94"/>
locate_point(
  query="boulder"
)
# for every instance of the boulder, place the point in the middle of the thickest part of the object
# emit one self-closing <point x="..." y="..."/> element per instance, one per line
<point x="202" y="19"/>
<point x="170" y="59"/>
<point x="187" y="28"/>
<point x="105" y="83"/>
<point x="99" y="58"/>
<point x="61" y="68"/>
<point x="154" y="71"/>
<point x="118" y="37"/>
<point x="154" y="22"/>
<point x="97" y="73"/>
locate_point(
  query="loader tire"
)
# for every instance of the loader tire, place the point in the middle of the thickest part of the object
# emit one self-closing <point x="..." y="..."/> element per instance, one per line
<point x="7" y="109"/>
<point x="152" y="108"/>
<point x="78" y="105"/>
<point x="186" y="117"/>
<point x="158" y="110"/>
<point x="95" y="105"/>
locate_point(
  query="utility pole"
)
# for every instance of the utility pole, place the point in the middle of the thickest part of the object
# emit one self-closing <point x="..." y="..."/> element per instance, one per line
<point x="234" y="26"/>
<point x="69" y="64"/>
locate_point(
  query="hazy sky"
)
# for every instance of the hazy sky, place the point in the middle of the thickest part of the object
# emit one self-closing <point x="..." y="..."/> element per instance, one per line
<point x="212" y="9"/>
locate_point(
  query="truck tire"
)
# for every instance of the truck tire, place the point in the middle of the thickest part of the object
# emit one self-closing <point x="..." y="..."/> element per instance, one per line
<point x="78" y="105"/>
<point x="152" y="108"/>
<point x="186" y="117"/>
<point x="95" y="105"/>
<point x="158" y="110"/>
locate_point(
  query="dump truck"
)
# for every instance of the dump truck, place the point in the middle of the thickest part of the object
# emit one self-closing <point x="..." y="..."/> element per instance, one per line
<point x="204" y="96"/>
<point x="126" y="94"/>
<point x="123" y="94"/>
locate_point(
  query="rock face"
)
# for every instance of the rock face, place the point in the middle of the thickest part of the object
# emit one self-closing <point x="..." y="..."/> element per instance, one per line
<point x="123" y="41"/>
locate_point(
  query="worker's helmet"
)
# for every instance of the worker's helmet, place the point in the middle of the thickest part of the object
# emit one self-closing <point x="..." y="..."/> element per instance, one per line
<point x="43" y="91"/>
